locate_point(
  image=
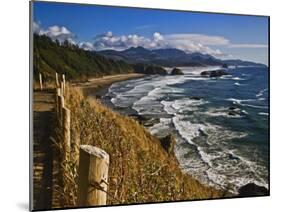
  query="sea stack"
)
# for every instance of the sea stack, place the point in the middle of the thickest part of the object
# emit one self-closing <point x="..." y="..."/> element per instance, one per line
<point x="177" y="71"/>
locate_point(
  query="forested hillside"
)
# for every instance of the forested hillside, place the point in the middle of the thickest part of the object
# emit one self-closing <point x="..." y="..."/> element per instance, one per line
<point x="74" y="62"/>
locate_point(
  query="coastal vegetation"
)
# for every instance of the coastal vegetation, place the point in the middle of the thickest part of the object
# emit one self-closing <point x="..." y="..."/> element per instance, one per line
<point x="66" y="58"/>
<point x="142" y="167"/>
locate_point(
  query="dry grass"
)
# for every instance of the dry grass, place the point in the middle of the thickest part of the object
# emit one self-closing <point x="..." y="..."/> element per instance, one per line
<point x="140" y="170"/>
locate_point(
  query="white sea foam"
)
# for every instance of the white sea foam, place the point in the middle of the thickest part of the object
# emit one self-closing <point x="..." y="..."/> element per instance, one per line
<point x="161" y="128"/>
<point x="239" y="101"/>
<point x="263" y="114"/>
<point x="168" y="107"/>
<point x="261" y="92"/>
<point x="202" y="148"/>
<point x="222" y="111"/>
<point x="237" y="78"/>
<point x="255" y="106"/>
<point x="223" y="172"/>
<point x="216" y="165"/>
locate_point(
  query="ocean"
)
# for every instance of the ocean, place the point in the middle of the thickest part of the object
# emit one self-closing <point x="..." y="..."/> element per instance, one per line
<point x="220" y="124"/>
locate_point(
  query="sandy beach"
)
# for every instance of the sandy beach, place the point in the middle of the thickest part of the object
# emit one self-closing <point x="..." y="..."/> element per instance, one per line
<point x="98" y="86"/>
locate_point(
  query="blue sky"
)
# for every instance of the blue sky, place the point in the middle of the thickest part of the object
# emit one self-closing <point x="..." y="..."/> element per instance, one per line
<point x="97" y="27"/>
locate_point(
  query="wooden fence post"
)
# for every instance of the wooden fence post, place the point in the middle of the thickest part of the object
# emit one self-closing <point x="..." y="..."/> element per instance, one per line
<point x="61" y="105"/>
<point x="66" y="132"/>
<point x="61" y="87"/>
<point x="40" y="81"/>
<point x="63" y="80"/>
<point x="57" y="81"/>
<point x="57" y="101"/>
<point x="93" y="175"/>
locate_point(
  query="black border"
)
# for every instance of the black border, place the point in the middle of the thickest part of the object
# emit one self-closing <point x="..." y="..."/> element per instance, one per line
<point x="31" y="104"/>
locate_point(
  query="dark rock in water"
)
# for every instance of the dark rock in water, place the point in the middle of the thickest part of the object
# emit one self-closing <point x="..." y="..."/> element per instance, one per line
<point x="151" y="122"/>
<point x="232" y="108"/>
<point x="202" y="132"/>
<point x="153" y="69"/>
<point x="232" y="157"/>
<point x="139" y="117"/>
<point x="251" y="189"/>
<point x="215" y="73"/>
<point x="177" y="71"/>
<point x="232" y="113"/>
<point x="168" y="143"/>
<point x="225" y="65"/>
<point x="147" y="121"/>
<point x="195" y="98"/>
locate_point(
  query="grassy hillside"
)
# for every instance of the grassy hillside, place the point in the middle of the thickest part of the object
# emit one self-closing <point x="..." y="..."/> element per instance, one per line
<point x="68" y="59"/>
<point x="140" y="169"/>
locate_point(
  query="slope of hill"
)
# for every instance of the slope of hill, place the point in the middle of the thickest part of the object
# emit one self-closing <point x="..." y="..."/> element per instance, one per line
<point x="169" y="57"/>
<point x="74" y="62"/>
<point x="140" y="168"/>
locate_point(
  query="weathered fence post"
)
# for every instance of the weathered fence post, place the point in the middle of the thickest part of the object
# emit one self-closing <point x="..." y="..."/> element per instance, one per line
<point x="66" y="132"/>
<point x="61" y="87"/>
<point x="93" y="175"/>
<point x="57" y="81"/>
<point x="61" y="105"/>
<point x="40" y="81"/>
<point x="63" y="80"/>
<point x="57" y="101"/>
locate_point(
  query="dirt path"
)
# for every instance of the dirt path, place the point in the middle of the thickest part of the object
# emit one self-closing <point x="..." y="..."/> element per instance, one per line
<point x="43" y="104"/>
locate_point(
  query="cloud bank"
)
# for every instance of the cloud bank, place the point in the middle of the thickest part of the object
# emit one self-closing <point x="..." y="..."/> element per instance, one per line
<point x="60" y="33"/>
<point x="188" y="42"/>
<point x="185" y="42"/>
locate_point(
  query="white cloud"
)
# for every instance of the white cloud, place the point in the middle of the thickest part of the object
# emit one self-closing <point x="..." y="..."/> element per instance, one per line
<point x="36" y="27"/>
<point x="86" y="45"/>
<point x="209" y="40"/>
<point x="60" y="33"/>
<point x="247" y="46"/>
<point x="185" y="42"/>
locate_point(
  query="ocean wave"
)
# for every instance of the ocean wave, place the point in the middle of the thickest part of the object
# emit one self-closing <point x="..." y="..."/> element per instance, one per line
<point x="239" y="101"/>
<point x="237" y="78"/>
<point x="223" y="112"/>
<point x="255" y="106"/>
<point x="226" y="77"/>
<point x="203" y="149"/>
<point x="247" y="75"/>
<point x="162" y="128"/>
<point x="216" y="164"/>
<point x="263" y="114"/>
<point x="168" y="107"/>
<point x="261" y="92"/>
<point x="181" y="105"/>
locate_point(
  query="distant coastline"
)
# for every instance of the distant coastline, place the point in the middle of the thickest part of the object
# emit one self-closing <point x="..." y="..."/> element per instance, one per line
<point x="97" y="86"/>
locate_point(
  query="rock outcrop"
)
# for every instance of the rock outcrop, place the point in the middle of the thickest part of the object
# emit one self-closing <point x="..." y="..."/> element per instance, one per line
<point x="215" y="73"/>
<point x="177" y="71"/>
<point x="168" y="143"/>
<point x="251" y="189"/>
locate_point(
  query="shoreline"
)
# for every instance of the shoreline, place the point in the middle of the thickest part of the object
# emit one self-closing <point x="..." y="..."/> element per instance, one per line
<point x="97" y="87"/>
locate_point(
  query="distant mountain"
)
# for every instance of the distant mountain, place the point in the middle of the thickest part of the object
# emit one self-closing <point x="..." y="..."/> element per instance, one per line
<point x="170" y="57"/>
<point x="242" y="63"/>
